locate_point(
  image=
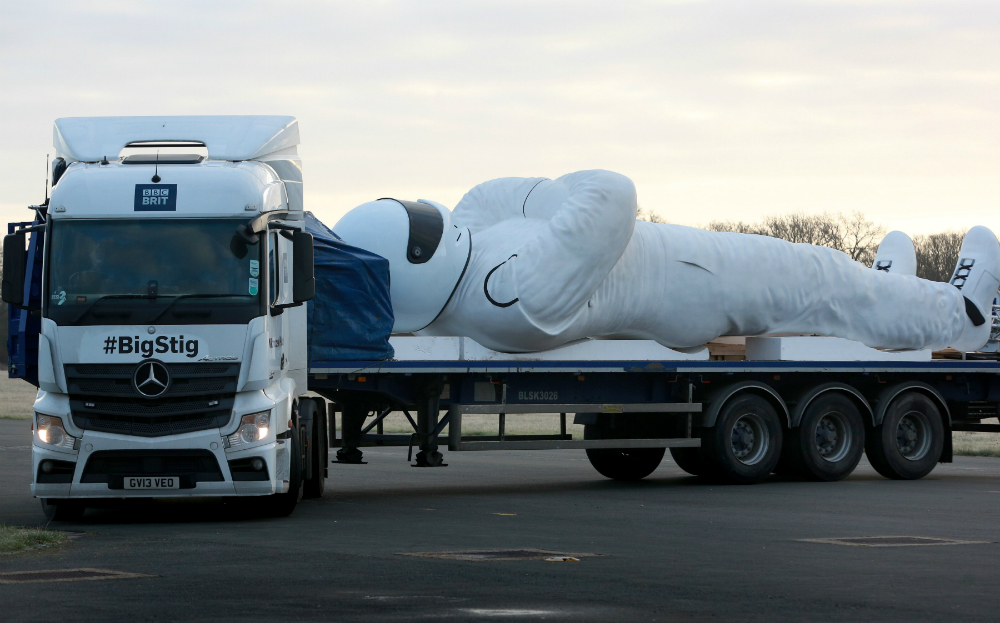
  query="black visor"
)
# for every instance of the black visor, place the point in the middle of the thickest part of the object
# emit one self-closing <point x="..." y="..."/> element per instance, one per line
<point x="426" y="229"/>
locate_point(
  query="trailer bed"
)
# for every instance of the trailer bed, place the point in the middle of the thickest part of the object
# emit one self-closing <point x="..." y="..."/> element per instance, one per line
<point x="456" y="355"/>
<point x="682" y="390"/>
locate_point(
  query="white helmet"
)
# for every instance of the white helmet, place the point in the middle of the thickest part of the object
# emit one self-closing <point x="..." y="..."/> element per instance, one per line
<point x="427" y="254"/>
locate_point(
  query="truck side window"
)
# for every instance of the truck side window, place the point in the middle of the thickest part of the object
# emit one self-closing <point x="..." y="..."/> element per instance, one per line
<point x="272" y="266"/>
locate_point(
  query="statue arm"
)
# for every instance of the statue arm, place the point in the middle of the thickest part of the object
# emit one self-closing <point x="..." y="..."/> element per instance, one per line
<point x="557" y="272"/>
<point x="492" y="202"/>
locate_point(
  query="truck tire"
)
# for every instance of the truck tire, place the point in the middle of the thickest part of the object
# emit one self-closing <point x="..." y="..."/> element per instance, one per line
<point x="829" y="441"/>
<point x="688" y="459"/>
<point x="745" y="444"/>
<point x="63" y="510"/>
<point x="317" y="452"/>
<point x="282" y="504"/>
<point x="908" y="443"/>
<point x="624" y="464"/>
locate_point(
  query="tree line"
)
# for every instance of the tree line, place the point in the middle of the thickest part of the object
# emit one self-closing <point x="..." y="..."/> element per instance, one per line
<point x="852" y="234"/>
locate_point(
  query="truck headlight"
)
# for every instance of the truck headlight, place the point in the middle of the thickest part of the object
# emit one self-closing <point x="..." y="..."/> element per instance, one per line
<point x="50" y="431"/>
<point x="253" y="427"/>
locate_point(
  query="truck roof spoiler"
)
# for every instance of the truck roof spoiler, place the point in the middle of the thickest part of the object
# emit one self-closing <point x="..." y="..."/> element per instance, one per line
<point x="227" y="137"/>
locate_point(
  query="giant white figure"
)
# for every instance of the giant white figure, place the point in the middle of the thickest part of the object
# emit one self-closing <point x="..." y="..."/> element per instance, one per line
<point x="527" y="264"/>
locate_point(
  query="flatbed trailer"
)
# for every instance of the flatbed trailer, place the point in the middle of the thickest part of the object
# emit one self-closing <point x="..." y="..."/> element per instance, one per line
<point x="634" y="407"/>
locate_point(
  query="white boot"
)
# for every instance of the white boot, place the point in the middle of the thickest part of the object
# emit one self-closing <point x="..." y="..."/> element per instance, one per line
<point x="896" y="255"/>
<point x="976" y="276"/>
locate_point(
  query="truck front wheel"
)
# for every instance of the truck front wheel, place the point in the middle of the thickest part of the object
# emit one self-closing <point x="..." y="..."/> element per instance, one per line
<point x="63" y="510"/>
<point x="316" y="454"/>
<point x="908" y="443"/>
<point x="282" y="504"/>
<point x="744" y="445"/>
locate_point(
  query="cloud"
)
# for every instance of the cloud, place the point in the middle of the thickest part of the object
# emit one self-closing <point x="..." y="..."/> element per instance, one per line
<point x="716" y="109"/>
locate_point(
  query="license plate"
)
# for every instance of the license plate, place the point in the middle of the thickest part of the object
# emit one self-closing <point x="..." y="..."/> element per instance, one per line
<point x="163" y="482"/>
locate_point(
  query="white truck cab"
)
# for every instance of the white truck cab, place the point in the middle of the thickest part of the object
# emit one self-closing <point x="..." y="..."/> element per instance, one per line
<point x="175" y="269"/>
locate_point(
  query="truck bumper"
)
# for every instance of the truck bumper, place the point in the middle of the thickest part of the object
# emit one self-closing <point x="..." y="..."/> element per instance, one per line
<point x="208" y="444"/>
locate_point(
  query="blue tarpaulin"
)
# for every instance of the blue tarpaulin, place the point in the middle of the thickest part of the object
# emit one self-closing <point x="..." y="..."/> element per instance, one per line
<point x="350" y="318"/>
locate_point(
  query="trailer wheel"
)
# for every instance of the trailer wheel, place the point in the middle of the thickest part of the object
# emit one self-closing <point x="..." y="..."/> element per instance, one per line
<point x="829" y="441"/>
<point x="688" y="459"/>
<point x="744" y="445"/>
<point x="63" y="510"/>
<point x="622" y="464"/>
<point x="908" y="443"/>
<point x="317" y="452"/>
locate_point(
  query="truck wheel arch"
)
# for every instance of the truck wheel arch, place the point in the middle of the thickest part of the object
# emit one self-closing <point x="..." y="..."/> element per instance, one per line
<point x="888" y="395"/>
<point x="802" y="403"/>
<point x="721" y="396"/>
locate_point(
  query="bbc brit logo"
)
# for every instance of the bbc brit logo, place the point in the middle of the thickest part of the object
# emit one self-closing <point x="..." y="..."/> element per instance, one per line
<point x="155" y="196"/>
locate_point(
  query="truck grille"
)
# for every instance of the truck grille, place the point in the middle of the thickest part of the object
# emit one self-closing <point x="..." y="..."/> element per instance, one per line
<point x="190" y="466"/>
<point x="188" y="379"/>
<point x="200" y="397"/>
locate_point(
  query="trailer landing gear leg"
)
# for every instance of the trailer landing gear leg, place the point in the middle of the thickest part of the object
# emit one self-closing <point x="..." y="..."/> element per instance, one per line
<point x="352" y="419"/>
<point x="427" y="423"/>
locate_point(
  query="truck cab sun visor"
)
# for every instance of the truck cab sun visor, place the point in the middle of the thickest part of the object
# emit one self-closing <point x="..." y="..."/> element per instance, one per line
<point x="426" y="229"/>
<point x="162" y="159"/>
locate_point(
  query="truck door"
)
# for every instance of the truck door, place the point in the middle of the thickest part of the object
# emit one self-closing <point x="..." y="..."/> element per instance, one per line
<point x="279" y="288"/>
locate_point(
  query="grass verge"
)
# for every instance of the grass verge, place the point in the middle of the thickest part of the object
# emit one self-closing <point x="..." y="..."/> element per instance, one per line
<point x="16" y="398"/>
<point x="976" y="444"/>
<point x="14" y="539"/>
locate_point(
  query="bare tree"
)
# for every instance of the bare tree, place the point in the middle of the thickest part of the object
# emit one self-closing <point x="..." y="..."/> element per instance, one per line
<point x="937" y="254"/>
<point x="852" y="234"/>
<point x="645" y="214"/>
<point x="859" y="237"/>
<point x="738" y="227"/>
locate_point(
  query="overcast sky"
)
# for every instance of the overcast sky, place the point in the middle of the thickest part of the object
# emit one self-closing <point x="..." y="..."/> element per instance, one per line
<point x="717" y="110"/>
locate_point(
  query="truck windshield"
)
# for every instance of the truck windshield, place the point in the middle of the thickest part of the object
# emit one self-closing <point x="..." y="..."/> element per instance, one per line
<point x="164" y="271"/>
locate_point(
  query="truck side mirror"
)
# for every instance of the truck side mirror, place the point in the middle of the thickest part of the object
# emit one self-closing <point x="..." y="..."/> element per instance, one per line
<point x="14" y="263"/>
<point x="303" y="277"/>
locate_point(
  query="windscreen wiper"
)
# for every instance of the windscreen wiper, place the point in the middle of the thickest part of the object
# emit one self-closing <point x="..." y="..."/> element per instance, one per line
<point x="188" y="296"/>
<point x="107" y="296"/>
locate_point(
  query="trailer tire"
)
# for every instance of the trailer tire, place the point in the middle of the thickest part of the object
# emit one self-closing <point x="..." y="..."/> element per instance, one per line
<point x="908" y="443"/>
<point x="829" y="441"/>
<point x="745" y="444"/>
<point x="317" y="452"/>
<point x="622" y="464"/>
<point x="63" y="510"/>
<point x="688" y="459"/>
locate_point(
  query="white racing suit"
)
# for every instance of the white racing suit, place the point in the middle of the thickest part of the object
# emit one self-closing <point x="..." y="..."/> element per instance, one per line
<point x="556" y="261"/>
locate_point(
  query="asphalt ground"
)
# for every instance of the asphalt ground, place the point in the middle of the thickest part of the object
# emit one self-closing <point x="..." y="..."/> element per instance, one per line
<point x="671" y="547"/>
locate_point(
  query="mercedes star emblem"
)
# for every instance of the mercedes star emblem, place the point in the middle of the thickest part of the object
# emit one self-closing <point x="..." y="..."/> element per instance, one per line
<point x="151" y="378"/>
